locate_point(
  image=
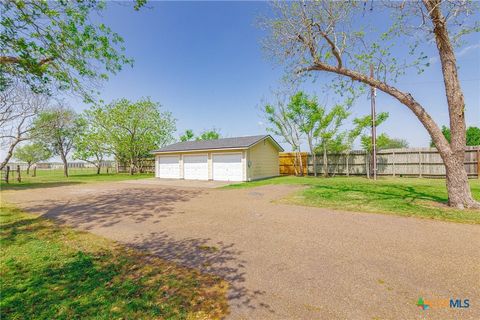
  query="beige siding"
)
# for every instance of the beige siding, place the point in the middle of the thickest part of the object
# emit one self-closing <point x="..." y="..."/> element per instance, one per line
<point x="262" y="160"/>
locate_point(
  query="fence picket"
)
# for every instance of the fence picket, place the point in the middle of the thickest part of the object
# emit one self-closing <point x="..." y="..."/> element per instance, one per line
<point x="416" y="162"/>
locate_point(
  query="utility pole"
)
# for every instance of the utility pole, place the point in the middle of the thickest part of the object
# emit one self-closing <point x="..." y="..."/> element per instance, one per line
<point x="373" y="93"/>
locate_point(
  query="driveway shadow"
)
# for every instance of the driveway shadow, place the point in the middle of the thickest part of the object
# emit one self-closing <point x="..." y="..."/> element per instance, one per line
<point x="108" y="209"/>
<point x="219" y="258"/>
<point x="36" y="185"/>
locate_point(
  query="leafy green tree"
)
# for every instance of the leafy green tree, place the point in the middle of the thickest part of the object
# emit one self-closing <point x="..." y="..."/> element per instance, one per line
<point x="306" y="113"/>
<point x="383" y="142"/>
<point x="472" y="134"/>
<point x="57" y="128"/>
<point x="283" y="124"/>
<point x="328" y="132"/>
<point x="313" y="37"/>
<point x="361" y="124"/>
<point x="132" y="130"/>
<point x="394" y="143"/>
<point x="32" y="153"/>
<point x="90" y="144"/>
<point x="54" y="45"/>
<point x="187" y="136"/>
<point x="211" y="134"/>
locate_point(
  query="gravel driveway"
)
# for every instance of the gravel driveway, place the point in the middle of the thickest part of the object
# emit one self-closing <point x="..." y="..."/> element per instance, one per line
<point x="283" y="261"/>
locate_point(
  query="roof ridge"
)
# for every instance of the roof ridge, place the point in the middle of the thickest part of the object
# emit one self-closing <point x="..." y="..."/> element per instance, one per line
<point x="222" y="143"/>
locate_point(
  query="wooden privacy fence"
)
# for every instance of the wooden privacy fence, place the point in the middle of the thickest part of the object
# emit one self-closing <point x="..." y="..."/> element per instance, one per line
<point x="414" y="162"/>
<point x="288" y="162"/>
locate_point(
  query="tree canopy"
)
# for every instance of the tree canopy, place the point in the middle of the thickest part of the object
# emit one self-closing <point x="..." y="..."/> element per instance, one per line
<point x="187" y="136"/>
<point x="472" y="133"/>
<point x="32" y="153"/>
<point x="57" y="128"/>
<point x="212" y="134"/>
<point x="132" y="130"/>
<point x="90" y="144"/>
<point x="55" y="45"/>
<point x="303" y="118"/>
<point x="383" y="142"/>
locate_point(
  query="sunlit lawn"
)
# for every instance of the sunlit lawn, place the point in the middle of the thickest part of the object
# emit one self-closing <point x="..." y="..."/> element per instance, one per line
<point x="50" y="178"/>
<point x="426" y="198"/>
<point x="52" y="272"/>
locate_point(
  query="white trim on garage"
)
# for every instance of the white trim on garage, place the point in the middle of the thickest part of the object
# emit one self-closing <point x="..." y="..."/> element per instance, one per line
<point x="227" y="166"/>
<point x="168" y="167"/>
<point x="195" y="167"/>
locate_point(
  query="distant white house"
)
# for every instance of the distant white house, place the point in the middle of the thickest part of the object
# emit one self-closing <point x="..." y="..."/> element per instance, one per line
<point x="229" y="159"/>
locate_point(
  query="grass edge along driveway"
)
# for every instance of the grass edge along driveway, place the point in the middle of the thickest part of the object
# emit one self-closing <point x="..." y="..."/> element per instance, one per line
<point x="55" y="178"/>
<point x="416" y="197"/>
<point x="53" y="272"/>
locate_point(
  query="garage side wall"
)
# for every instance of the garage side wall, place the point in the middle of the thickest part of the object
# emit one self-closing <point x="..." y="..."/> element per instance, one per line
<point x="263" y="160"/>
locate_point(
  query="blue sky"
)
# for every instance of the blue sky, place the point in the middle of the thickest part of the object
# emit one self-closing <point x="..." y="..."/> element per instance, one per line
<point x="203" y="61"/>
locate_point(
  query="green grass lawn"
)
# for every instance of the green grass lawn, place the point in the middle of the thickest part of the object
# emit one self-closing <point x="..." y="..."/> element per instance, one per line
<point x="53" y="178"/>
<point x="425" y="198"/>
<point x="52" y="272"/>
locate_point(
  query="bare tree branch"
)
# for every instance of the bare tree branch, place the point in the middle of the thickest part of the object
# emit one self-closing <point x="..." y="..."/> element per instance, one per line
<point x="18" y="108"/>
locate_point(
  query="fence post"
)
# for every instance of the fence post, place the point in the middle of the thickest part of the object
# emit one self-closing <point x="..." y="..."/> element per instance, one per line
<point x="420" y="163"/>
<point x="34" y="171"/>
<point x="19" y="178"/>
<point x="393" y="163"/>
<point x="478" y="163"/>
<point x="348" y="169"/>
<point x="367" y="165"/>
<point x="7" y="173"/>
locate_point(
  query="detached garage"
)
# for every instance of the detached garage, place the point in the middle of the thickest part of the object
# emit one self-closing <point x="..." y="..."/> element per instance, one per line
<point x="229" y="159"/>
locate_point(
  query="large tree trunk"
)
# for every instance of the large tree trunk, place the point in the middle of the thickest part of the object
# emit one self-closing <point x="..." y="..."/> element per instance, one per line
<point x="295" y="164"/>
<point x="28" y="168"/>
<point x="325" y="162"/>
<point x="314" y="156"/>
<point x="63" y="152"/>
<point x="459" y="194"/>
<point x="65" y="164"/>
<point x="300" y="165"/>
<point x="131" y="167"/>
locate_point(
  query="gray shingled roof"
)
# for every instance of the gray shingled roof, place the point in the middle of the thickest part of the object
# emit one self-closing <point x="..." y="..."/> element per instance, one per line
<point x="225" y="143"/>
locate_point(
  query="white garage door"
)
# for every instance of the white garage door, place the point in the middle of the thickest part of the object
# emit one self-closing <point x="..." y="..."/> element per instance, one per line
<point x="195" y="167"/>
<point x="169" y="167"/>
<point x="227" y="167"/>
